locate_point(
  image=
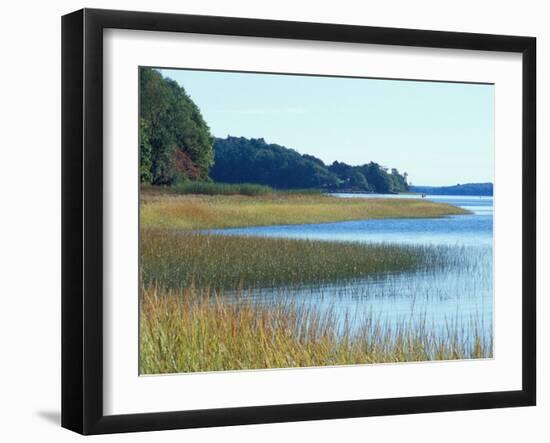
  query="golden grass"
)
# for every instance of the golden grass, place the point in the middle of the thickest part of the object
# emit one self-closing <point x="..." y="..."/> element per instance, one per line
<point x="193" y="331"/>
<point x="169" y="210"/>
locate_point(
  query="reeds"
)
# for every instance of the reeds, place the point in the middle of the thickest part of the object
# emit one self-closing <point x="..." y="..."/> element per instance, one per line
<point x="198" y="311"/>
<point x="182" y="259"/>
<point x="196" y="330"/>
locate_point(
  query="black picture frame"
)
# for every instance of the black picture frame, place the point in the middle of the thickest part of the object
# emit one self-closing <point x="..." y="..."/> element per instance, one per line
<point x="82" y="218"/>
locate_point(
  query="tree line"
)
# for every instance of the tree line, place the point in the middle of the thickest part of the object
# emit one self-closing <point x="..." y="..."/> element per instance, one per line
<point x="243" y="160"/>
<point x="176" y="146"/>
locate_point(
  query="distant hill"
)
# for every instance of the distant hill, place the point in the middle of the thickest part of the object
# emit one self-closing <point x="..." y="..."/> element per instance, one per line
<point x="484" y="189"/>
<point x="243" y="160"/>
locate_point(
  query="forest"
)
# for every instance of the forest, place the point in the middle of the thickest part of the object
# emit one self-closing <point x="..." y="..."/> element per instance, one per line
<point x="177" y="146"/>
<point x="242" y="160"/>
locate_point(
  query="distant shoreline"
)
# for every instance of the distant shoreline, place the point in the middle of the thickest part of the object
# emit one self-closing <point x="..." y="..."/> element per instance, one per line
<point x="473" y="189"/>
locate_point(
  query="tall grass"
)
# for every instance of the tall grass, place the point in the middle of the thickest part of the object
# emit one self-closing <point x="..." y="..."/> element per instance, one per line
<point x="210" y="188"/>
<point x="167" y="209"/>
<point x="182" y="259"/>
<point x="195" y="330"/>
<point x="189" y="323"/>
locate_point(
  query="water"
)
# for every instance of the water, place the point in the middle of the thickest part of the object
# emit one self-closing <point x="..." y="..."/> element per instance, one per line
<point x="456" y="297"/>
<point x="475" y="229"/>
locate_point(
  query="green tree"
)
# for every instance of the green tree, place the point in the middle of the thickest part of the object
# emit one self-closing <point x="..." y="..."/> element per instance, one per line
<point x="378" y="177"/>
<point x="145" y="152"/>
<point x="171" y="122"/>
<point x="351" y="177"/>
<point x="242" y="160"/>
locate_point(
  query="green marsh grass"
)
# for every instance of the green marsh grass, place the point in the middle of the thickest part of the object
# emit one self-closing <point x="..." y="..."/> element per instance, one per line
<point x="215" y="188"/>
<point x="182" y="259"/>
<point x="211" y="188"/>
<point x="195" y="330"/>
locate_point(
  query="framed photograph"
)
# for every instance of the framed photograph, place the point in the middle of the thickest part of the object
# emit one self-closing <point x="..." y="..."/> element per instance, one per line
<point x="268" y="221"/>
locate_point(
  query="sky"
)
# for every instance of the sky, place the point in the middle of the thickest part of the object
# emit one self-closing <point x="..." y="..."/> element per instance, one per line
<point x="439" y="133"/>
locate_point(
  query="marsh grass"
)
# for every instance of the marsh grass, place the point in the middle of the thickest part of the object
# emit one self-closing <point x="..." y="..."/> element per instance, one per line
<point x="211" y="188"/>
<point x="196" y="330"/>
<point x="162" y="208"/>
<point x="181" y="259"/>
<point x="199" y="312"/>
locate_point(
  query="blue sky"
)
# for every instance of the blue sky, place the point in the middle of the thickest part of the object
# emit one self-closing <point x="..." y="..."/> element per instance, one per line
<point x="440" y="133"/>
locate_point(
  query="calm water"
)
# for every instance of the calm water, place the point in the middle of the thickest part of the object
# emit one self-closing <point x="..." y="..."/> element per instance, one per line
<point x="459" y="295"/>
